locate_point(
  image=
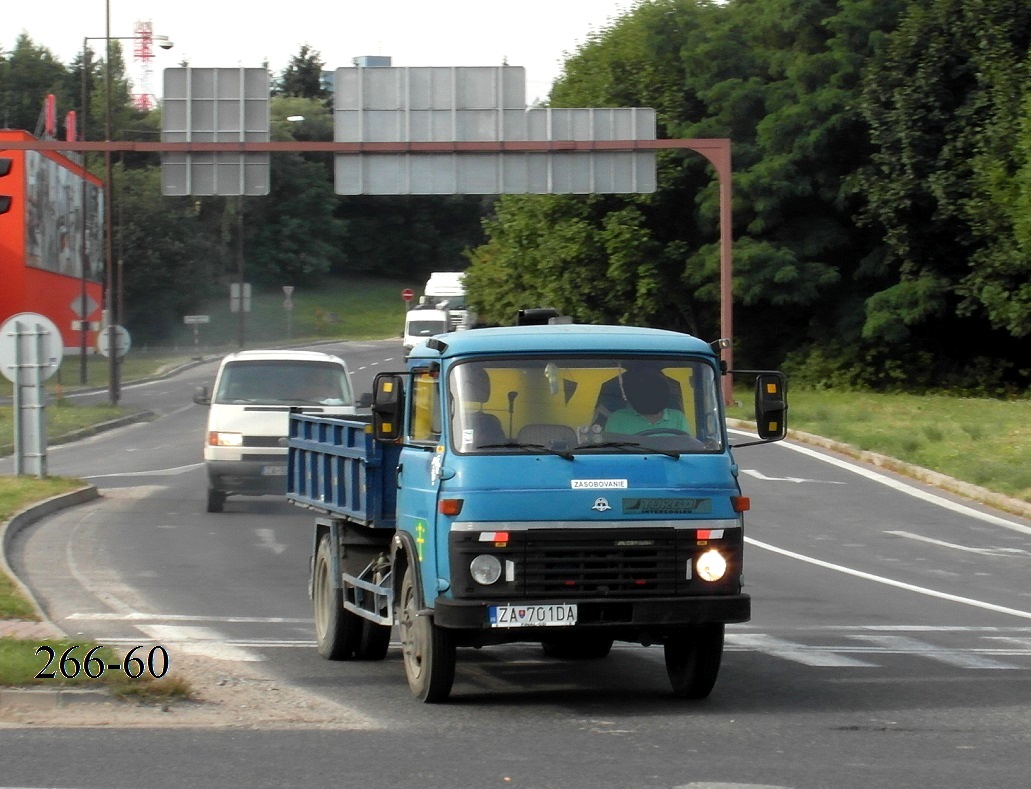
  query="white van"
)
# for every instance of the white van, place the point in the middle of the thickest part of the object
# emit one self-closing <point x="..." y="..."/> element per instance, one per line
<point x="245" y="441"/>
<point x="421" y="324"/>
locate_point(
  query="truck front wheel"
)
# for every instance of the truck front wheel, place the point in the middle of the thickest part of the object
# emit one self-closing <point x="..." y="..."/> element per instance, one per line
<point x="693" y="660"/>
<point x="428" y="650"/>
<point x="337" y="631"/>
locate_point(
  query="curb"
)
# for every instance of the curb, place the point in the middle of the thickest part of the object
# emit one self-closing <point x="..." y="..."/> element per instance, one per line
<point x="27" y="517"/>
<point x="92" y="430"/>
<point x="46" y="698"/>
<point x="965" y="489"/>
<point x="42" y="698"/>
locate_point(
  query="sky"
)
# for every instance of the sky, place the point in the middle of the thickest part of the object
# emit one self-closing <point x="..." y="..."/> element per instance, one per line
<point x="535" y="34"/>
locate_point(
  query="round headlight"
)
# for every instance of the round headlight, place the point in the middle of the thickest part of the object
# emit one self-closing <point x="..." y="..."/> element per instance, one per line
<point x="711" y="566"/>
<point x="485" y="569"/>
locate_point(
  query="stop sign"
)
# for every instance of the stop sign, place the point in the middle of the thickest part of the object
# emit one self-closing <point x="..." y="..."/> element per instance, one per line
<point x="407" y="294"/>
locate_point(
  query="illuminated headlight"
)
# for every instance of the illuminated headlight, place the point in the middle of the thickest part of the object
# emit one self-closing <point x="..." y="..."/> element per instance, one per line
<point x="485" y="569"/>
<point x="711" y="566"/>
<point x="218" y="439"/>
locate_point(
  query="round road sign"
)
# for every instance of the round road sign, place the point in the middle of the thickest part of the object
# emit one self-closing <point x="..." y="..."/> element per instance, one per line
<point x="407" y="294"/>
<point x="122" y="341"/>
<point x="25" y="332"/>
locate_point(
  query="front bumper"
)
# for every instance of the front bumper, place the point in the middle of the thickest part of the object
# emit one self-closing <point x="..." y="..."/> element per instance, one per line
<point x="261" y="477"/>
<point x="628" y="619"/>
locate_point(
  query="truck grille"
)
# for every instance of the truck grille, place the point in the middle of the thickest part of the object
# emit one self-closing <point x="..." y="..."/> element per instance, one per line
<point x="597" y="564"/>
<point x="580" y="564"/>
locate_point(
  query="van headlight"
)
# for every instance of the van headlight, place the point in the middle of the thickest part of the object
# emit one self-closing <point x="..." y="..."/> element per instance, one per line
<point x="217" y="438"/>
<point x="485" y="569"/>
<point x="711" y="565"/>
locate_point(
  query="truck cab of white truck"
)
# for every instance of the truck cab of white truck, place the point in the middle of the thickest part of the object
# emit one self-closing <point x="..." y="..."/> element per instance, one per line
<point x="446" y="290"/>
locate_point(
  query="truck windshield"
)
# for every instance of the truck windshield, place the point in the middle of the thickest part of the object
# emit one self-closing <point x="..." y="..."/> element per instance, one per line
<point x="585" y="404"/>
<point x="283" y="382"/>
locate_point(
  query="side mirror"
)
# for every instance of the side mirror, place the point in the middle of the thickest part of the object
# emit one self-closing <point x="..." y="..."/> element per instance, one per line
<point x="200" y="396"/>
<point x="388" y="400"/>
<point x="365" y="400"/>
<point x="771" y="406"/>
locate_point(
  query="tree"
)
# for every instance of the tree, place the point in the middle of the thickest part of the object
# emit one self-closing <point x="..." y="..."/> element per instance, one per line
<point x="946" y="105"/>
<point x="781" y="79"/>
<point x="27" y="75"/>
<point x="303" y="76"/>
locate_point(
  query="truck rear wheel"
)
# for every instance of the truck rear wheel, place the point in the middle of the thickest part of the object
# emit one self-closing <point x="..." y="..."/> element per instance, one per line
<point x="693" y="660"/>
<point x="337" y="631"/>
<point x="428" y="650"/>
<point x="374" y="641"/>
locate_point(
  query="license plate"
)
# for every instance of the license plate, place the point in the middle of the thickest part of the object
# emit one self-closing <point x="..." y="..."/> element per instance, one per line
<point x="273" y="471"/>
<point x="532" y="615"/>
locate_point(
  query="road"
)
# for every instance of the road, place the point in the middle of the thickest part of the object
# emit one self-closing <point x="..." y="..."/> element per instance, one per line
<point x="890" y="643"/>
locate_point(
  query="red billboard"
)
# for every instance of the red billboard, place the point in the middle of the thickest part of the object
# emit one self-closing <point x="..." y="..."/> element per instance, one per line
<point x="51" y="239"/>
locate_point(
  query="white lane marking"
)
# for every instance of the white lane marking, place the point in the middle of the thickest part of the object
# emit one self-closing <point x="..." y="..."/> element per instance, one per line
<point x="966" y="548"/>
<point x="159" y="472"/>
<point x="889" y="582"/>
<point x="759" y="475"/>
<point x="1021" y="643"/>
<point x="902" y="487"/>
<point x="799" y="653"/>
<point x="202" y="641"/>
<point x="953" y="657"/>
<point x="238" y="643"/>
<point x="267" y="539"/>
<point x="138" y="616"/>
<point x="98" y="590"/>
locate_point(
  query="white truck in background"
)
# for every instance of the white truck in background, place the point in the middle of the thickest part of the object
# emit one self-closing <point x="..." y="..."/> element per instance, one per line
<point x="445" y="291"/>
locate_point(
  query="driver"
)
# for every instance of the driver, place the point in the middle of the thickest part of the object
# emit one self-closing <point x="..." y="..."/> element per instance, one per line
<point x="648" y="398"/>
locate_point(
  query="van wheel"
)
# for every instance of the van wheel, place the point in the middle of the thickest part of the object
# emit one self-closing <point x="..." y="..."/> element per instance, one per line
<point x="216" y="500"/>
<point x="428" y="651"/>
<point x="337" y="630"/>
<point x="693" y="660"/>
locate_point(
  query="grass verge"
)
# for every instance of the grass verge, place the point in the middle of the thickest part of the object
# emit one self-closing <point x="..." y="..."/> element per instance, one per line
<point x="980" y="441"/>
<point x="59" y="663"/>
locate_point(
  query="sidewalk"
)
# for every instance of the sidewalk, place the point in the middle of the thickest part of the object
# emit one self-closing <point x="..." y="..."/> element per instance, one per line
<point x="26" y="630"/>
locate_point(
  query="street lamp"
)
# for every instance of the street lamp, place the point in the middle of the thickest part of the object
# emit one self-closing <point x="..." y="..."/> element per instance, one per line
<point x="165" y="43"/>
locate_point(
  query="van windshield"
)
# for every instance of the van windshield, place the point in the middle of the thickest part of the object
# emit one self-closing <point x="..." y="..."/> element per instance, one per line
<point x="567" y="404"/>
<point x="426" y="328"/>
<point x="283" y="382"/>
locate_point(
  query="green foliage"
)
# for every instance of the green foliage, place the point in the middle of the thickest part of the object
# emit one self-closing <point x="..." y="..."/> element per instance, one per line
<point x="779" y="78"/>
<point x="27" y="74"/>
<point x="945" y="103"/>
<point x="303" y="76"/>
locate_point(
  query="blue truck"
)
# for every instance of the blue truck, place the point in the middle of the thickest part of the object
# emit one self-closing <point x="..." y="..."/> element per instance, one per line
<point x="567" y="485"/>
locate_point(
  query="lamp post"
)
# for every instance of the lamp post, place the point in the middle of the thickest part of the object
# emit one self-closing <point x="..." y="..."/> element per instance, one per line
<point x="111" y="306"/>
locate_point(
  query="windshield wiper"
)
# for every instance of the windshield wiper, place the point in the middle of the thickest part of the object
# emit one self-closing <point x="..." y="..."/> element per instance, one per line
<point x="541" y="447"/>
<point x="641" y="449"/>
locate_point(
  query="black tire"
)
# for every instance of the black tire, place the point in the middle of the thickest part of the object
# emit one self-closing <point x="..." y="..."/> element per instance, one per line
<point x="693" y="660"/>
<point x="216" y="500"/>
<point x="337" y="631"/>
<point x="373" y="642"/>
<point x="428" y="651"/>
<point x="583" y="648"/>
